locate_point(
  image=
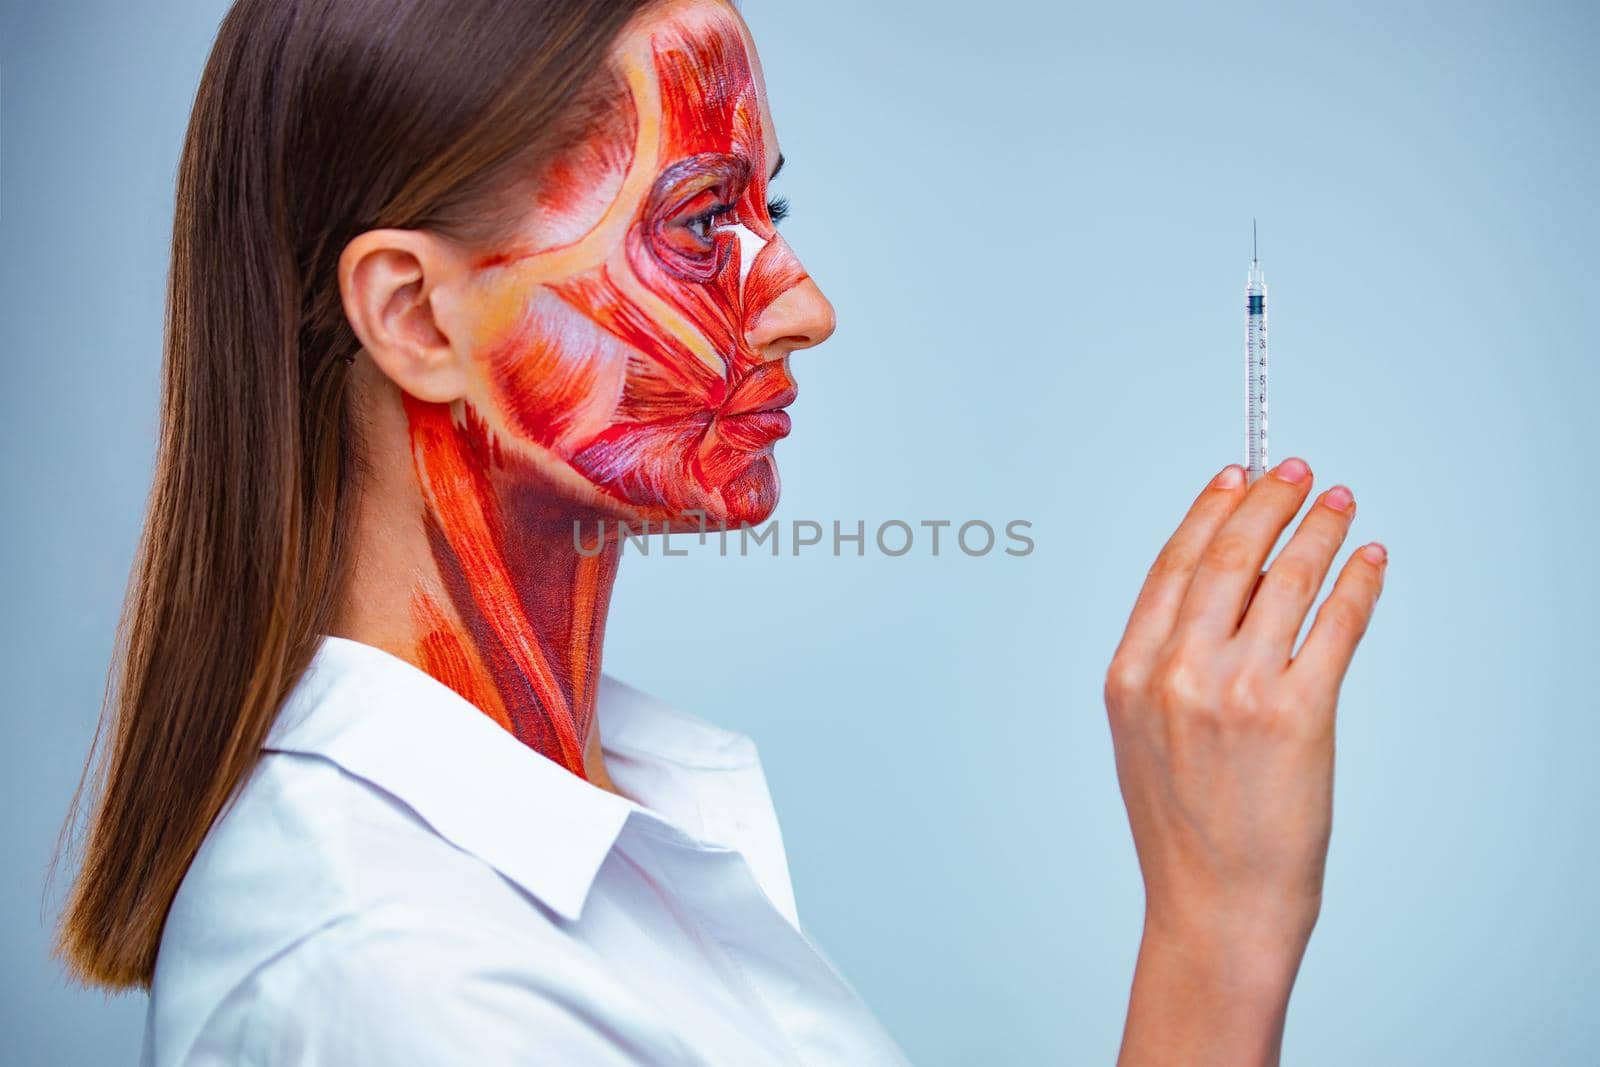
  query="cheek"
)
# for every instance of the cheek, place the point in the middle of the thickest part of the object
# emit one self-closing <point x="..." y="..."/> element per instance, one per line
<point x="753" y="271"/>
<point x="553" y="377"/>
<point x="710" y="308"/>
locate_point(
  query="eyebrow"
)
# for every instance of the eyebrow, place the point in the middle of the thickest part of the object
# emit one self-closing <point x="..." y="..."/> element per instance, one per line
<point x="777" y="168"/>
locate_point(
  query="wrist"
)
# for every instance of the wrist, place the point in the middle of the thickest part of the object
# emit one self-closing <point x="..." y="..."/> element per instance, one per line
<point x="1253" y="957"/>
<point x="1211" y="990"/>
<point x="1254" y="935"/>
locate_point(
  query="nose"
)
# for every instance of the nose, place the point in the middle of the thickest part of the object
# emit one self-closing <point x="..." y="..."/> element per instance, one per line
<point x="801" y="318"/>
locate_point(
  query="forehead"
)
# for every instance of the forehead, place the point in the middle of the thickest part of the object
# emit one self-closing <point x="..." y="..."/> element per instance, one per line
<point x="698" y="60"/>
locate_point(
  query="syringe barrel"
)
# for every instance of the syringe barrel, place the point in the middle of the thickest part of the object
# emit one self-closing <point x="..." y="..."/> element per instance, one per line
<point x="1255" y="371"/>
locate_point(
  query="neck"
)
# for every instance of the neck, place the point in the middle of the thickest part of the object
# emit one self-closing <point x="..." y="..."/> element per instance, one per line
<point x="466" y="572"/>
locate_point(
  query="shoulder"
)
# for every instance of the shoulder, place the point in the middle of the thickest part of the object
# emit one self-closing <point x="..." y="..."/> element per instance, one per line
<point x="312" y="843"/>
<point x="317" y="885"/>
<point x="402" y="984"/>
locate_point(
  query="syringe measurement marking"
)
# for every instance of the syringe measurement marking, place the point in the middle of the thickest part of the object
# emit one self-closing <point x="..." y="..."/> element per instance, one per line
<point x="1255" y="366"/>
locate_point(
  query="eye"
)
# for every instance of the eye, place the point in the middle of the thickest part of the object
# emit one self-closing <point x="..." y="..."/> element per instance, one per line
<point x="690" y="206"/>
<point x="705" y="224"/>
<point x="778" y="209"/>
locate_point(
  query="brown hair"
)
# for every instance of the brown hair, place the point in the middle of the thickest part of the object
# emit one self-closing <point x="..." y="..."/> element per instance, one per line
<point x="314" y="121"/>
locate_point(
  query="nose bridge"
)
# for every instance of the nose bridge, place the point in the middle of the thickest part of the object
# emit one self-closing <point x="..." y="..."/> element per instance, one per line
<point x="750" y="246"/>
<point x="784" y="310"/>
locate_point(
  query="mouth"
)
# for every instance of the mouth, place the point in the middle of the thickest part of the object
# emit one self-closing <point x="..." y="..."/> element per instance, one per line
<point x="765" y="391"/>
<point x="753" y="417"/>
<point x="755" y="429"/>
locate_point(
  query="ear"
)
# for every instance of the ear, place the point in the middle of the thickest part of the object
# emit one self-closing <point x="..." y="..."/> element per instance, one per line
<point x="397" y="287"/>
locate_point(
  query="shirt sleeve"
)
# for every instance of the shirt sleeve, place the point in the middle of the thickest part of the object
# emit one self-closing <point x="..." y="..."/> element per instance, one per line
<point x="393" y="991"/>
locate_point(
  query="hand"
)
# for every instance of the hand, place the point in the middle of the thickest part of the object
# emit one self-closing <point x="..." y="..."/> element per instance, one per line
<point x="1224" y="741"/>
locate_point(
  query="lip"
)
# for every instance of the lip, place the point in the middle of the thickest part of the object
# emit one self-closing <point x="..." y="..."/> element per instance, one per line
<point x="755" y="429"/>
<point x="762" y="392"/>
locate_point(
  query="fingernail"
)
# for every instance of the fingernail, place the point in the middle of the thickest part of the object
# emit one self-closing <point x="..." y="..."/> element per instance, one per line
<point x="1293" y="470"/>
<point x="1230" y="477"/>
<point x="1374" y="553"/>
<point x="1339" y="498"/>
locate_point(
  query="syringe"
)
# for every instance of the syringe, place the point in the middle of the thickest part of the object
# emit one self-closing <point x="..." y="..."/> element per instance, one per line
<point x="1255" y="365"/>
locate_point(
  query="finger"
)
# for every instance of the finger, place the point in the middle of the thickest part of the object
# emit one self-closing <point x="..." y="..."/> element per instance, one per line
<point x="1230" y="563"/>
<point x="1342" y="619"/>
<point x="1273" y="618"/>
<point x="1157" y="607"/>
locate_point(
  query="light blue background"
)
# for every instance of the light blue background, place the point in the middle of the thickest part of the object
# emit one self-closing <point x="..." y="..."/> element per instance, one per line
<point x="1034" y="220"/>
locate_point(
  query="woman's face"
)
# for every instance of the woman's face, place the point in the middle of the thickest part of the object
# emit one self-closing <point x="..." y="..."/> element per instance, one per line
<point x="630" y="344"/>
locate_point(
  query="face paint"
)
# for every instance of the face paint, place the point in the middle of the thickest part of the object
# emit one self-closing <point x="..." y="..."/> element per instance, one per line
<point x="614" y="354"/>
<point x="612" y="375"/>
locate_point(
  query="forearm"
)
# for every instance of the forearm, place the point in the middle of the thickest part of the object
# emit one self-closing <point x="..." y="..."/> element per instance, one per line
<point x="1224" y="739"/>
<point x="1207" y="997"/>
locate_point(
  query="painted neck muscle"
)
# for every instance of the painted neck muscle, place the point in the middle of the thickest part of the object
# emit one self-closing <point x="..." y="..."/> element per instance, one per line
<point x="512" y="623"/>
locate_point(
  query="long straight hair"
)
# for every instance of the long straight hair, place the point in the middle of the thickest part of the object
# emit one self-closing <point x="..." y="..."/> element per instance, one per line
<point x="314" y="121"/>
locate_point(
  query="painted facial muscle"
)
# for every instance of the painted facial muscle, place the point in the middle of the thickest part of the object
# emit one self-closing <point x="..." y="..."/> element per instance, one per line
<point x="611" y="376"/>
<point x="618" y="349"/>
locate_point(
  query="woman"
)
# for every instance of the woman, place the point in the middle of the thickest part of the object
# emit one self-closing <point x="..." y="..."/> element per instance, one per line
<point x="454" y="284"/>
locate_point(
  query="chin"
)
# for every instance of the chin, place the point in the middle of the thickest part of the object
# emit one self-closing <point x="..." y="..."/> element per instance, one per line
<point x="671" y="475"/>
<point x="753" y="495"/>
<point x="748" y="498"/>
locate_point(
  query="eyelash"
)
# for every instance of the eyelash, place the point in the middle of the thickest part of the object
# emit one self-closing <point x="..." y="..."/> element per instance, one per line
<point x="777" y="210"/>
<point x="702" y="224"/>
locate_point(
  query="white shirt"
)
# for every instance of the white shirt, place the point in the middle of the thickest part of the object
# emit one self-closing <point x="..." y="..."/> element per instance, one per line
<point x="401" y="881"/>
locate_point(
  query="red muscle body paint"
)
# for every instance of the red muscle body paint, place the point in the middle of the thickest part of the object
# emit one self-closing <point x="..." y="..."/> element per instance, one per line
<point x="612" y="377"/>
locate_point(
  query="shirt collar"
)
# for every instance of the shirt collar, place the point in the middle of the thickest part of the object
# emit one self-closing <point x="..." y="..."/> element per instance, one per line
<point x="477" y="786"/>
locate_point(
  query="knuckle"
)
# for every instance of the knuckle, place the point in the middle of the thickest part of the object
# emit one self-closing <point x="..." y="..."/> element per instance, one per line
<point x="1289" y="697"/>
<point x="1297" y="577"/>
<point x="1247" y="695"/>
<point x="1175" y="561"/>
<point x="1344" y="617"/>
<point x="1230" y="552"/>
<point x="1328" y="533"/>
<point x="1362" y="574"/>
<point x="1319" y="537"/>
<point x="1299" y="713"/>
<point x="1183" y="688"/>
<point x="1123" y="682"/>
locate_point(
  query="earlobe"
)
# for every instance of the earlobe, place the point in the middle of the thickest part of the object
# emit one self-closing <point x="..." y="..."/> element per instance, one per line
<point x="392" y="284"/>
